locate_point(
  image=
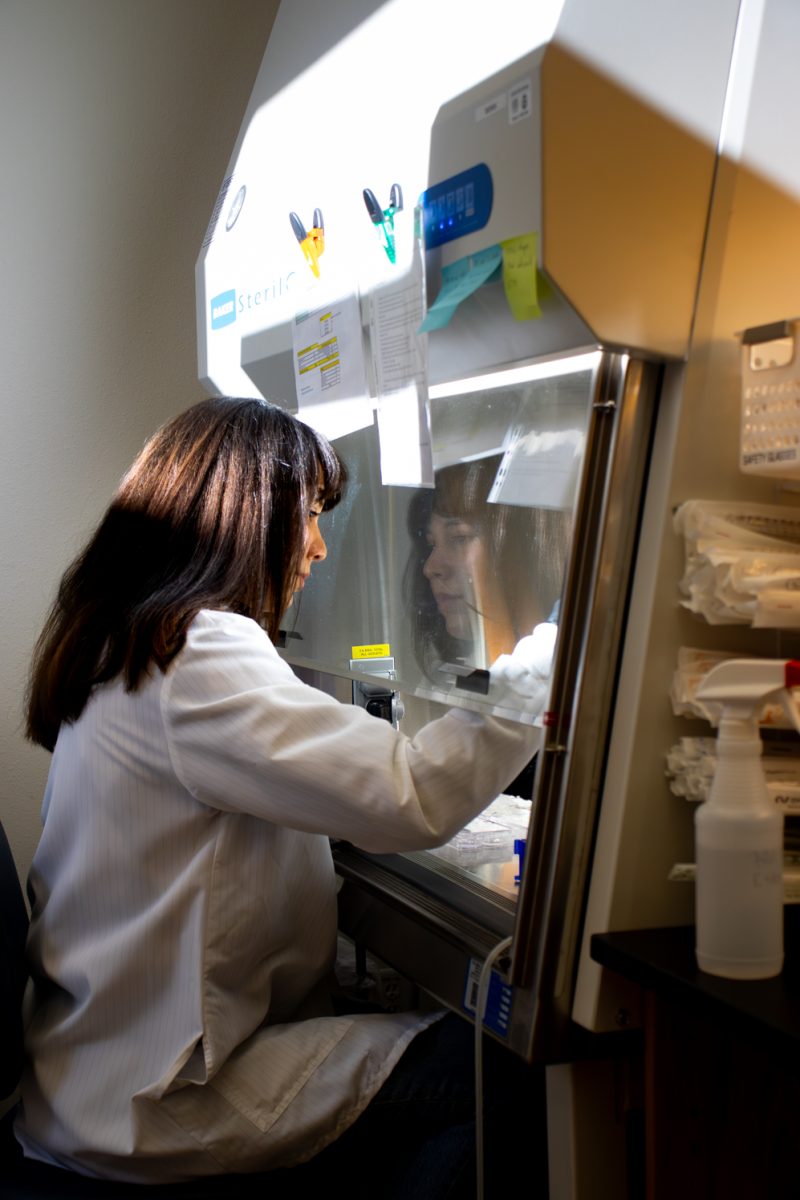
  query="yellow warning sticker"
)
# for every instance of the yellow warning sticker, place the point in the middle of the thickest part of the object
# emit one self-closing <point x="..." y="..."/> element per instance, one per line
<point x="370" y="652"/>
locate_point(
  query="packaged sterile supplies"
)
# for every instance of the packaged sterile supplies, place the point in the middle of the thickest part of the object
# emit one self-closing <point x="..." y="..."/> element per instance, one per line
<point x="686" y="872"/>
<point x="691" y="763"/>
<point x="693" y="666"/>
<point x="690" y="767"/>
<point x="766" y="588"/>
<point x="742" y="562"/>
<point x="706" y="523"/>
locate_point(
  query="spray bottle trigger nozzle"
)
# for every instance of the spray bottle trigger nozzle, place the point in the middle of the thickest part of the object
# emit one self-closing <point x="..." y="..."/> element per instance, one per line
<point x="792" y="674"/>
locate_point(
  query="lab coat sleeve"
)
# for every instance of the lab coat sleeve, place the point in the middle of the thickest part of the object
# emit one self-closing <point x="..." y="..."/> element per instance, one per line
<point x="246" y="735"/>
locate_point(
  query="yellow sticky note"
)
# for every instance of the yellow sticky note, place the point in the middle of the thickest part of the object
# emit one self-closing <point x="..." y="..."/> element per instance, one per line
<point x="370" y="652"/>
<point x="519" y="276"/>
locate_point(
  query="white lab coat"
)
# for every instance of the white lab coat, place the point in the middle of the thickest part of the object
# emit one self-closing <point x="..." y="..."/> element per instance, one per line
<point x="185" y="912"/>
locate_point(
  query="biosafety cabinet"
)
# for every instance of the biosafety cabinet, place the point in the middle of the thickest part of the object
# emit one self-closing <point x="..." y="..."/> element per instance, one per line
<point x="504" y="264"/>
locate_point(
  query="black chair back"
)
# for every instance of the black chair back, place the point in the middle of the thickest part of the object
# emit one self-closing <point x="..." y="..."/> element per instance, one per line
<point x="13" y="973"/>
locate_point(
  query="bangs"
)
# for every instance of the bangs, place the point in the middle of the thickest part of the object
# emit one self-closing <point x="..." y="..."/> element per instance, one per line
<point x="330" y="477"/>
<point x="462" y="490"/>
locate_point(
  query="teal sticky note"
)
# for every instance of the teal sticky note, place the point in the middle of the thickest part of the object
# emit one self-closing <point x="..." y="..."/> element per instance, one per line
<point x="460" y="280"/>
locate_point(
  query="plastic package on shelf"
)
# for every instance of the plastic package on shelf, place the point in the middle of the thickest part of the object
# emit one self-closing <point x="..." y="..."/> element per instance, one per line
<point x="693" y="666"/>
<point x="742" y="564"/>
<point x="691" y="763"/>
<point x="686" y="873"/>
<point x="706" y="523"/>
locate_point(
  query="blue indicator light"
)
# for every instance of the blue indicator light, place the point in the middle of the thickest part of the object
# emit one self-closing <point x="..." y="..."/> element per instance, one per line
<point x="458" y="206"/>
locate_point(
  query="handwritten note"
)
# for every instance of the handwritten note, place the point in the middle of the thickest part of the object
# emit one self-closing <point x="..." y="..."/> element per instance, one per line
<point x="520" y="256"/>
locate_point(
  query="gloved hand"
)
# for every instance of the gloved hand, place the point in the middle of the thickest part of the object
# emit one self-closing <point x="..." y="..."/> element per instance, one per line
<point x="523" y="676"/>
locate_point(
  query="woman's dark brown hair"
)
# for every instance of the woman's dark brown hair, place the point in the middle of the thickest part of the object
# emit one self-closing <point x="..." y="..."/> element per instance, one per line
<point x="212" y="514"/>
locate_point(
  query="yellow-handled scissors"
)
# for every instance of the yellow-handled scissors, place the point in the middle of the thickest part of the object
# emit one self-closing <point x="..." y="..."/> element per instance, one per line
<point x="312" y="243"/>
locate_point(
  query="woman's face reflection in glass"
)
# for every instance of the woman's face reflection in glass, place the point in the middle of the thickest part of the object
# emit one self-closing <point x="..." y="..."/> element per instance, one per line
<point x="455" y="551"/>
<point x="481" y="575"/>
<point x="463" y="586"/>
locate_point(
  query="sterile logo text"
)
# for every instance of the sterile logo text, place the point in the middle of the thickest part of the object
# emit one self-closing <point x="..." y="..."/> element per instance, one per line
<point x="226" y="306"/>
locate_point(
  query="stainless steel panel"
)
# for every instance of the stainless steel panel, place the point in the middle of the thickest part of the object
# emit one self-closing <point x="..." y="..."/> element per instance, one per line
<point x="569" y="781"/>
<point x="404" y="911"/>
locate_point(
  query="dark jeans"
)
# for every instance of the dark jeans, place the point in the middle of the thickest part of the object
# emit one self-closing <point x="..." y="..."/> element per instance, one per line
<point x="416" y="1140"/>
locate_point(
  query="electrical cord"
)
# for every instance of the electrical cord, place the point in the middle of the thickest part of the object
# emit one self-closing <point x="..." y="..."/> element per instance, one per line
<point x="480" y="1013"/>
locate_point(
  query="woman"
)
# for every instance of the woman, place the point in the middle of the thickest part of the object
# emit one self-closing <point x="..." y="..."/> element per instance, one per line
<point x="184" y="915"/>
<point x="481" y="575"/>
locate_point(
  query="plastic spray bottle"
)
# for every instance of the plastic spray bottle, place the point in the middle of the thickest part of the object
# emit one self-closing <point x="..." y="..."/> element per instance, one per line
<point x="739" y="828"/>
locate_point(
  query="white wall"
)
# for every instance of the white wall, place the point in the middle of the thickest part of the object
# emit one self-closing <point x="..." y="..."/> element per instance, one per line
<point x="117" y="120"/>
